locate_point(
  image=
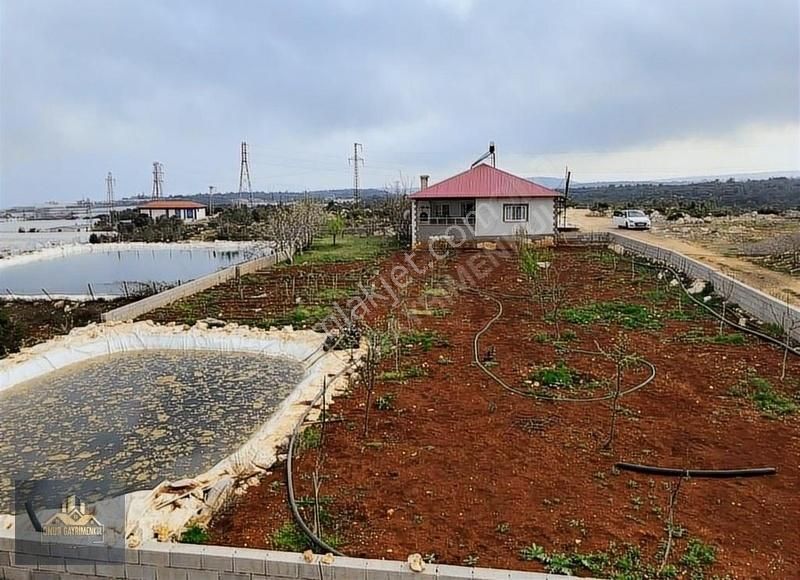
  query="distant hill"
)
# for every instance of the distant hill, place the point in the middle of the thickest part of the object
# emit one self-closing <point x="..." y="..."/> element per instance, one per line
<point x="777" y="193"/>
<point x="742" y="191"/>
<point x="558" y="182"/>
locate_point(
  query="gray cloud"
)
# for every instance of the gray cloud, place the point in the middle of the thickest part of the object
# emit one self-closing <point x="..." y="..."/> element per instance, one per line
<point x="88" y="86"/>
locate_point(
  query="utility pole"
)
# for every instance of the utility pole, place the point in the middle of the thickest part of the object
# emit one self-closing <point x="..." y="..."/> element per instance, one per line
<point x="158" y="180"/>
<point x="210" y="200"/>
<point x="110" y="198"/>
<point x="355" y="160"/>
<point x="244" y="176"/>
<point x="566" y="194"/>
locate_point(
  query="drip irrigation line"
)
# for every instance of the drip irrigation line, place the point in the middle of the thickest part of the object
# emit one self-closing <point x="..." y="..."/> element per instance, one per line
<point x="516" y="391"/>
<point x="717" y="315"/>
<point x="316" y="540"/>
<point x="708" y="473"/>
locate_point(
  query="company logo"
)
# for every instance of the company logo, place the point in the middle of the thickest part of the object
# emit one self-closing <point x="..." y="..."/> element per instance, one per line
<point x="72" y="520"/>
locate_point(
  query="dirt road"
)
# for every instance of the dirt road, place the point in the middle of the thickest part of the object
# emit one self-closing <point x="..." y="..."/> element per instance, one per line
<point x="775" y="283"/>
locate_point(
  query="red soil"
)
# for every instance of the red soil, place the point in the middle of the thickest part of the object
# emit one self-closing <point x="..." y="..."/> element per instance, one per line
<point x="269" y="296"/>
<point x="449" y="463"/>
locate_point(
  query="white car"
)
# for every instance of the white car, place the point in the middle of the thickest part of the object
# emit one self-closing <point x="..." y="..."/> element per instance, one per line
<point x="631" y="219"/>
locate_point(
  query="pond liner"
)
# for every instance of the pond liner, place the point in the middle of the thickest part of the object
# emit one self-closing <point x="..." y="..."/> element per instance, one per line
<point x="705" y="473"/>
<point x="251" y="460"/>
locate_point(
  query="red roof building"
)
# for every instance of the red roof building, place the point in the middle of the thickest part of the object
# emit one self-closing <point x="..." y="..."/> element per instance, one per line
<point x="482" y="203"/>
<point x="186" y="210"/>
<point x="484" y="181"/>
<point x="168" y="204"/>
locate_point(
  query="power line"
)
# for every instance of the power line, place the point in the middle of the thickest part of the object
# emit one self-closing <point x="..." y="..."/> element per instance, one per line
<point x="158" y="180"/>
<point x="355" y="160"/>
<point x="244" y="176"/>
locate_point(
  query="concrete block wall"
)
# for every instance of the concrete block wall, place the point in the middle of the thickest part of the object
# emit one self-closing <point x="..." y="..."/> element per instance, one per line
<point x="195" y="562"/>
<point x="758" y="304"/>
<point x="141" y="307"/>
<point x="755" y="302"/>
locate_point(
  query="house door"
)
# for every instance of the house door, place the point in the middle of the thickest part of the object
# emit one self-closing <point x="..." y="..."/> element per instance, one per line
<point x="468" y="211"/>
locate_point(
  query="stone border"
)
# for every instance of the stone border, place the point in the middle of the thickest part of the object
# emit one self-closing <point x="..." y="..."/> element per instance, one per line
<point x="145" y="305"/>
<point x="156" y="561"/>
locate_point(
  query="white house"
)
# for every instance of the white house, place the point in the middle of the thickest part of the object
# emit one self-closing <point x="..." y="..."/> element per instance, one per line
<point x="482" y="204"/>
<point x="188" y="211"/>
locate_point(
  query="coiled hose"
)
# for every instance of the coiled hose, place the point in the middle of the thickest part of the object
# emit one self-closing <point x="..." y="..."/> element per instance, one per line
<point x="516" y="391"/>
<point x="777" y="342"/>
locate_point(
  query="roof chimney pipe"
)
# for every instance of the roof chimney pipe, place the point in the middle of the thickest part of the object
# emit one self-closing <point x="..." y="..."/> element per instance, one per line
<point x="423" y="181"/>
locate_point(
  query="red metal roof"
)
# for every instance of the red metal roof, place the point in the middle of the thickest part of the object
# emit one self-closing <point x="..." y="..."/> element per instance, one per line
<point x="484" y="181"/>
<point x="166" y="204"/>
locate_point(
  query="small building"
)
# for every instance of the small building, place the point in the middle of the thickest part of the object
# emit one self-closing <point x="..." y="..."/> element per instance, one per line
<point x="188" y="211"/>
<point x="482" y="204"/>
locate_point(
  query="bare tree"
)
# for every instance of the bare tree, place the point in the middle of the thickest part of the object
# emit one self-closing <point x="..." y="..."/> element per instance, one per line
<point x="293" y="227"/>
<point x="674" y="488"/>
<point x="619" y="353"/>
<point x="316" y="475"/>
<point x="280" y="229"/>
<point x="369" y="371"/>
<point x="530" y="262"/>
<point x="395" y="208"/>
<point x="394" y="335"/>
<point x="557" y="295"/>
<point x="787" y="323"/>
<point x="724" y="289"/>
<point x="545" y="282"/>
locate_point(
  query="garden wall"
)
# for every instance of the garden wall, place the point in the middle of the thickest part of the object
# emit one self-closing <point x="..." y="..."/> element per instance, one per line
<point x="758" y="304"/>
<point x="140" y="307"/>
<point x="195" y="562"/>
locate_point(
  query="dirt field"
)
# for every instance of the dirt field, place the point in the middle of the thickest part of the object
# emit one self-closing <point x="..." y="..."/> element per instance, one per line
<point x="300" y="295"/>
<point x="35" y="322"/>
<point x="462" y="471"/>
<point x="706" y="249"/>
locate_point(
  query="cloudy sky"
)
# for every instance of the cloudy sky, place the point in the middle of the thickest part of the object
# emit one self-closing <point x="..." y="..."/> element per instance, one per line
<point x="619" y="89"/>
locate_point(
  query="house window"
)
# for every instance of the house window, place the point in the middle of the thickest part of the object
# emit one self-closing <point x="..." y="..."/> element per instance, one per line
<point x="515" y="212"/>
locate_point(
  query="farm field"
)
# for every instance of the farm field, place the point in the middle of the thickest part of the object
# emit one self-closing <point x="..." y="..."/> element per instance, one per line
<point x="760" y="250"/>
<point x="459" y="469"/>
<point x="300" y="294"/>
<point x="26" y="323"/>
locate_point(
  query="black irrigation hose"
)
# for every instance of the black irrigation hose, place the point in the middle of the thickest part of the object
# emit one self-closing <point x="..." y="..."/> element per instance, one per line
<point x="316" y="540"/>
<point x="711" y="473"/>
<point x="498" y="380"/>
<point x="717" y="315"/>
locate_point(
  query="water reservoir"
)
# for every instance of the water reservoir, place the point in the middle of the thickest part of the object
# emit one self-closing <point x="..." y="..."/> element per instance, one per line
<point x="112" y="272"/>
<point x="131" y="420"/>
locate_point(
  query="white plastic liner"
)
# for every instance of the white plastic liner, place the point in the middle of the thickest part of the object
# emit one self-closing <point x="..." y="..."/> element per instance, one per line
<point x="97" y="340"/>
<point x="165" y="510"/>
<point x="74" y="249"/>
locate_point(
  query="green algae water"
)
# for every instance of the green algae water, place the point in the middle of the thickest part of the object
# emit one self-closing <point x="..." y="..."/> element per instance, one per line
<point x="127" y="421"/>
